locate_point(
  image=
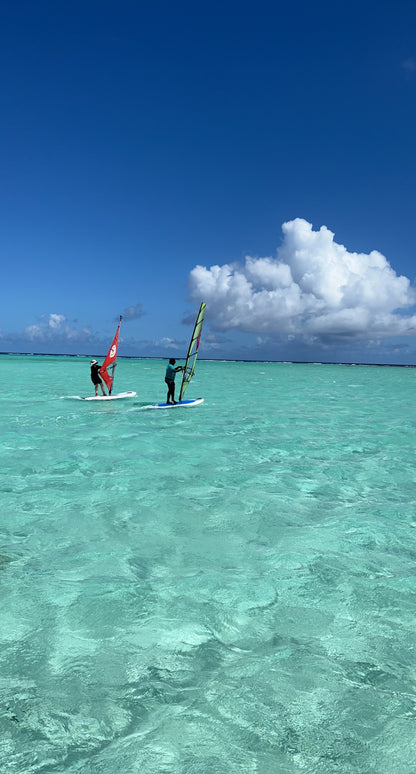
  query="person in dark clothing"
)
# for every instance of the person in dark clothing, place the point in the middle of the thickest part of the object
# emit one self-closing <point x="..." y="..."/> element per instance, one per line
<point x="96" y="378"/>
<point x="171" y="371"/>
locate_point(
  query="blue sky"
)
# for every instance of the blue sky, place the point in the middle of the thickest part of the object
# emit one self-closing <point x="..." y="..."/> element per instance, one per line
<point x="257" y="155"/>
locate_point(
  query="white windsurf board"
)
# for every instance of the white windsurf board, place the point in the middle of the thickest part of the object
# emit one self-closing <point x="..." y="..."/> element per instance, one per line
<point x="118" y="396"/>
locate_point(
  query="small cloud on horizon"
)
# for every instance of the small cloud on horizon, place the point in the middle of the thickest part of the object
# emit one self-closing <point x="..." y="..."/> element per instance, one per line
<point x="55" y="326"/>
<point x="133" y="312"/>
<point x="168" y="343"/>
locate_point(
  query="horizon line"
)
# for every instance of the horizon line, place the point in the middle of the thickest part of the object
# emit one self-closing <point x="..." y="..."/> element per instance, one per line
<point x="219" y="360"/>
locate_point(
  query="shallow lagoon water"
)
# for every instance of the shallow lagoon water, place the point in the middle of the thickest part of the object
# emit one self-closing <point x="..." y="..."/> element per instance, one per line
<point x="219" y="589"/>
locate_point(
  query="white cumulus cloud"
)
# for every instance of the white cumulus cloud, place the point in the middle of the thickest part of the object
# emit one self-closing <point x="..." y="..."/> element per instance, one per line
<point x="55" y="321"/>
<point x="313" y="289"/>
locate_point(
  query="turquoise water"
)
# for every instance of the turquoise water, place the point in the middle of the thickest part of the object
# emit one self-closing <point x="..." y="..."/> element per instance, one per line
<point x="211" y="590"/>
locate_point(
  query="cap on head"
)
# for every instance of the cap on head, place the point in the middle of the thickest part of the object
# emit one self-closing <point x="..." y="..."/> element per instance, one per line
<point x="93" y="361"/>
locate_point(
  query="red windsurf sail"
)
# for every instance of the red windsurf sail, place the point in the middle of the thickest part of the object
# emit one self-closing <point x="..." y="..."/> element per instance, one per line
<point x="110" y="361"/>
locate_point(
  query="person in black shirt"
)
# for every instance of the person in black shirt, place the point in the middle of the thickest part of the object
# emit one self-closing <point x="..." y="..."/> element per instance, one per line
<point x="95" y="377"/>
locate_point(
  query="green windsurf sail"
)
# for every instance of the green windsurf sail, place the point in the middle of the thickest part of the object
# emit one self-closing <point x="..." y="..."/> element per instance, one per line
<point x="189" y="367"/>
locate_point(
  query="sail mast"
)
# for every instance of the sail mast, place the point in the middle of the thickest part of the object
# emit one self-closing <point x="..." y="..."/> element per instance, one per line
<point x="189" y="367"/>
<point x="110" y="361"/>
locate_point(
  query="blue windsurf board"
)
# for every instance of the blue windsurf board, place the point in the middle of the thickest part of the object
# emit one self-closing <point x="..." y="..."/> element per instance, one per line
<point x="179" y="404"/>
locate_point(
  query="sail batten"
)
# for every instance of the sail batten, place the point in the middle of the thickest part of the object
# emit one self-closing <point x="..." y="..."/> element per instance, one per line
<point x="189" y="367"/>
<point x="109" y="364"/>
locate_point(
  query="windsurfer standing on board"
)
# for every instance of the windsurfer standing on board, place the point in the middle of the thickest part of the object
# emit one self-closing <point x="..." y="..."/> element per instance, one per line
<point x="95" y="377"/>
<point x="170" y="379"/>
